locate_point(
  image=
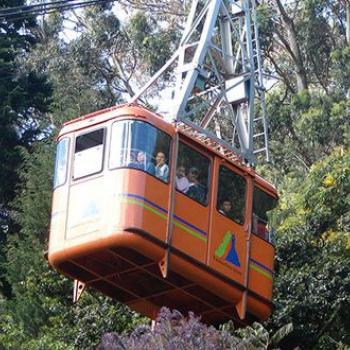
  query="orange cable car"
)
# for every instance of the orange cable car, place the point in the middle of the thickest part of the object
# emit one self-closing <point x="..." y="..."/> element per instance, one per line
<point x="154" y="214"/>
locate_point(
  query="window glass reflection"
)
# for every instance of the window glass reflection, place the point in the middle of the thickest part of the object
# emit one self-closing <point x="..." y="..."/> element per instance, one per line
<point x="231" y="195"/>
<point x="262" y="205"/>
<point x="88" y="153"/>
<point x="139" y="145"/>
<point x="192" y="174"/>
<point x="61" y="162"/>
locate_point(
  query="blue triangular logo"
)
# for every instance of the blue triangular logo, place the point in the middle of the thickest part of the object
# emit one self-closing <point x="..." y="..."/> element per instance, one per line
<point x="232" y="256"/>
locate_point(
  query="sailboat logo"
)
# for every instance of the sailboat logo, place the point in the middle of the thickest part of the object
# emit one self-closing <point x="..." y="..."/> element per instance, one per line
<point x="227" y="249"/>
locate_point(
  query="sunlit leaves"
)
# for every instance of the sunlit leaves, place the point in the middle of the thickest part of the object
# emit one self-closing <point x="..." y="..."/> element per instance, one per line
<point x="313" y="260"/>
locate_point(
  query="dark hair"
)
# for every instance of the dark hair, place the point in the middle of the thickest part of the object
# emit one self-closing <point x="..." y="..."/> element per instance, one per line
<point x="225" y="200"/>
<point x="193" y="171"/>
<point x="163" y="153"/>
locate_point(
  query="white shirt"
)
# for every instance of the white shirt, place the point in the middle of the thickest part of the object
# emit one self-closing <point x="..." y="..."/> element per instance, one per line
<point x="162" y="172"/>
<point x="182" y="184"/>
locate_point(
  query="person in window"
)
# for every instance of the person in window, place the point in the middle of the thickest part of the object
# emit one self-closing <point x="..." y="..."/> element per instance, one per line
<point x="260" y="227"/>
<point x="141" y="163"/>
<point x="226" y="208"/>
<point x="161" y="168"/>
<point x="195" y="189"/>
<point x="181" y="182"/>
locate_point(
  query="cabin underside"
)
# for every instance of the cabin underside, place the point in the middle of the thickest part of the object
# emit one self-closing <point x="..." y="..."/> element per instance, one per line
<point x="132" y="278"/>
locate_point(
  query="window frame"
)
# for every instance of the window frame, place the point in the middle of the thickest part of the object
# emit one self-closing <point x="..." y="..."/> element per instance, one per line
<point x="104" y="139"/>
<point x="245" y="194"/>
<point x="67" y="162"/>
<point x="189" y="144"/>
<point x="171" y="145"/>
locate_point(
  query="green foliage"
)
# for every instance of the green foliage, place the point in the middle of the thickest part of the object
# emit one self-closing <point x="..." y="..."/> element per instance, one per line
<point x="153" y="44"/>
<point x="31" y="209"/>
<point x="81" y="71"/>
<point x="308" y="274"/>
<point x="341" y="68"/>
<point x="322" y="202"/>
<point x="24" y="97"/>
<point x="294" y="49"/>
<point x="313" y="20"/>
<point x="328" y="193"/>
<point x="265" y="24"/>
<point x="307" y="127"/>
<point x="313" y="257"/>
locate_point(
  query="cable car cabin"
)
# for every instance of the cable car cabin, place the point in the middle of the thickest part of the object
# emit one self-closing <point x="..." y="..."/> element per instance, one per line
<point x="154" y="215"/>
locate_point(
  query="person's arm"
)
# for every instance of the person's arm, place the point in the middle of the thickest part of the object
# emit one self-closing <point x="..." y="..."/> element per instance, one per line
<point x="151" y="169"/>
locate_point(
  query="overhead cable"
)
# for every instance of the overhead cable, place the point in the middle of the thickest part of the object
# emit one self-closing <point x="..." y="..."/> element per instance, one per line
<point x="46" y="8"/>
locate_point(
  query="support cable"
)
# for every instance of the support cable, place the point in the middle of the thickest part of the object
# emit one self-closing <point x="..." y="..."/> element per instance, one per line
<point x="46" y="8"/>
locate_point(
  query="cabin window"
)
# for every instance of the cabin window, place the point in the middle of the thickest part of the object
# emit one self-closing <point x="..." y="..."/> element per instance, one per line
<point x="61" y="162"/>
<point x="262" y="205"/>
<point x="192" y="174"/>
<point x="88" y="154"/>
<point x="231" y="195"/>
<point x="139" y="145"/>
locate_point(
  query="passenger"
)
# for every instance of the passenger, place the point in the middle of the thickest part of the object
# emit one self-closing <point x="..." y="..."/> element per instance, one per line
<point x="195" y="190"/>
<point x="181" y="182"/>
<point x="262" y="229"/>
<point x="161" y="169"/>
<point x="141" y="163"/>
<point x="226" y="208"/>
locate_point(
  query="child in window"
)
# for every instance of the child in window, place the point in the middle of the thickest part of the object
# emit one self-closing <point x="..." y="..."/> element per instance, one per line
<point x="161" y="168"/>
<point x="181" y="182"/>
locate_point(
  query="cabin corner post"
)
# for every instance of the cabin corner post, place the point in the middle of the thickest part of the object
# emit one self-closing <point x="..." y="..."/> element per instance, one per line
<point x="164" y="262"/>
<point x="241" y="306"/>
<point x="213" y="196"/>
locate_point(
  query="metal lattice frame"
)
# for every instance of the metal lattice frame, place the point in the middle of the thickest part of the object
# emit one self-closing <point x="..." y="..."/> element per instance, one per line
<point x="219" y="77"/>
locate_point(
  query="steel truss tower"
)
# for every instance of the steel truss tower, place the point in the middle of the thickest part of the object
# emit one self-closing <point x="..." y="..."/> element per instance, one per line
<point x="218" y="85"/>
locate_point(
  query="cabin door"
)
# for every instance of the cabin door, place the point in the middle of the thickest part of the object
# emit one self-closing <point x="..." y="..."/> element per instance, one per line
<point x="229" y="244"/>
<point x="191" y="211"/>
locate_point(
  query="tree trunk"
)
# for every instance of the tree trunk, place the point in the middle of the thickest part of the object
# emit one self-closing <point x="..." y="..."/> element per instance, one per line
<point x="294" y="49"/>
<point x="347" y="10"/>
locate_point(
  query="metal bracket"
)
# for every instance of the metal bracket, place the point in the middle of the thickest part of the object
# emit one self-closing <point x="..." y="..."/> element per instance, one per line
<point x="241" y="307"/>
<point x="163" y="265"/>
<point x="79" y="287"/>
